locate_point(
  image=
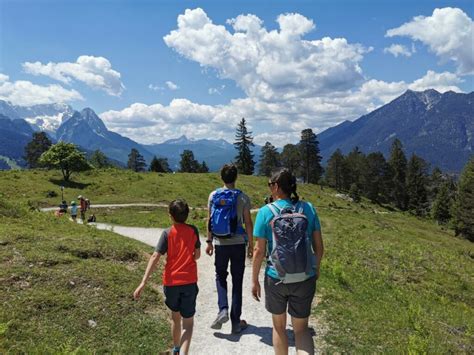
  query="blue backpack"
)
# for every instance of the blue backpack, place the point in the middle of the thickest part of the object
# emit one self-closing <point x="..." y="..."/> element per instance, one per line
<point x="223" y="221"/>
<point x="291" y="253"/>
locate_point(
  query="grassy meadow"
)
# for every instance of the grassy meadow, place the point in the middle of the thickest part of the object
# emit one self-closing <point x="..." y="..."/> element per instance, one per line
<point x="390" y="282"/>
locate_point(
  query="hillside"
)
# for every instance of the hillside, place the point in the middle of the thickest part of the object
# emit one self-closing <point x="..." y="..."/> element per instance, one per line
<point x="54" y="300"/>
<point x="390" y="282"/>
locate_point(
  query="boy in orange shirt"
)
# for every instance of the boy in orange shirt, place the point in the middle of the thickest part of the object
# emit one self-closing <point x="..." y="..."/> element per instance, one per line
<point x="181" y="244"/>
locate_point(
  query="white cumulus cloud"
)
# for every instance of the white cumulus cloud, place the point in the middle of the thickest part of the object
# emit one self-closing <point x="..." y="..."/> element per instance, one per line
<point x="448" y="33"/>
<point x="270" y="65"/>
<point x="25" y="93"/>
<point x="95" y="72"/>
<point x="171" y="85"/>
<point x="278" y="122"/>
<point x="398" y="49"/>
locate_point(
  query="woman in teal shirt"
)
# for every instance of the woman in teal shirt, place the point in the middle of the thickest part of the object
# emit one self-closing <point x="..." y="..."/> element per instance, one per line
<point x="279" y="296"/>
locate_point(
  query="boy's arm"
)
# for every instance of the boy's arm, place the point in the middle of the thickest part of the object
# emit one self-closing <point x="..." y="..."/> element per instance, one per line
<point x="197" y="254"/>
<point x="154" y="259"/>
<point x="197" y="245"/>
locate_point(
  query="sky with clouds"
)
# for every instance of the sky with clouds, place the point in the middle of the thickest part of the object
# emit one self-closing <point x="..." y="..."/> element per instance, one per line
<point x="155" y="70"/>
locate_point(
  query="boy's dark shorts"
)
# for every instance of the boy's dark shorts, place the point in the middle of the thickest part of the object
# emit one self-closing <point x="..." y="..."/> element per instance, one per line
<point x="182" y="299"/>
<point x="297" y="296"/>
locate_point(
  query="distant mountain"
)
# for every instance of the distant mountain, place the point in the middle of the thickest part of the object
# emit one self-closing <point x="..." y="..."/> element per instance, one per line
<point x="46" y="117"/>
<point x="15" y="134"/>
<point x="438" y="127"/>
<point x="214" y="152"/>
<point x="87" y="130"/>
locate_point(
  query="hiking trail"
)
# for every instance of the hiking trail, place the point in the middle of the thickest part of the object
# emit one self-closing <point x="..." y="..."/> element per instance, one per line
<point x="256" y="339"/>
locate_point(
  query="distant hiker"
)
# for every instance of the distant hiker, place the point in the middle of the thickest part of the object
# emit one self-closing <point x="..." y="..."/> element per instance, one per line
<point x="228" y="211"/>
<point x="74" y="211"/>
<point x="83" y="207"/>
<point x="181" y="244"/>
<point x="88" y="204"/>
<point x="62" y="209"/>
<point x="289" y="233"/>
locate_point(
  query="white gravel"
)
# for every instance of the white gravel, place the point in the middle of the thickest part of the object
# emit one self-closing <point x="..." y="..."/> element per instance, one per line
<point x="256" y="339"/>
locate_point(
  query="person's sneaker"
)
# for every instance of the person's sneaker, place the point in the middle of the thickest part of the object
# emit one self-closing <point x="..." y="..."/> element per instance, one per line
<point x="237" y="328"/>
<point x="222" y="317"/>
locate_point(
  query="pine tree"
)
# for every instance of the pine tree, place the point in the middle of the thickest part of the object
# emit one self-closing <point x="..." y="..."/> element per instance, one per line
<point x="188" y="164"/>
<point x="376" y="177"/>
<point x="269" y="159"/>
<point x="98" y="160"/>
<point x="464" y="206"/>
<point x="354" y="193"/>
<point x="136" y="162"/>
<point x="398" y="166"/>
<point x="417" y="181"/>
<point x="39" y="144"/>
<point x="291" y="158"/>
<point x="203" y="167"/>
<point x="442" y="205"/>
<point x="310" y="157"/>
<point x="335" y="170"/>
<point x="243" y="142"/>
<point x="356" y="168"/>
<point x="155" y="165"/>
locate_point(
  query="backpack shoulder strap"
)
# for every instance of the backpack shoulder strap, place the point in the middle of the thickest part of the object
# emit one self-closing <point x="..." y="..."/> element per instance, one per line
<point x="299" y="207"/>
<point x="274" y="209"/>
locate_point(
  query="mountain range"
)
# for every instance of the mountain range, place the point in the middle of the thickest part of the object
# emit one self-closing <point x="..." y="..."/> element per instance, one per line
<point x="438" y="127"/>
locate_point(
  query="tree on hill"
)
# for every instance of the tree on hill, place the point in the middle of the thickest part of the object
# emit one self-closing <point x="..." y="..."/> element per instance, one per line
<point x="243" y="143"/>
<point x="203" y="168"/>
<point x="99" y="160"/>
<point x="66" y="157"/>
<point x="188" y="164"/>
<point x="310" y="157"/>
<point x="159" y="165"/>
<point x="291" y="158"/>
<point x="356" y="168"/>
<point x="37" y="146"/>
<point x="354" y="193"/>
<point x="269" y="159"/>
<point x="464" y="206"/>
<point x="376" y="177"/>
<point x="417" y="180"/>
<point x="398" y="166"/>
<point x="335" y="170"/>
<point x="443" y="203"/>
<point x="136" y="162"/>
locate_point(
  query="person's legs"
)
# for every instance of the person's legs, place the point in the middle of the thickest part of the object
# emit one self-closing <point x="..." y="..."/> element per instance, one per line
<point x="221" y="263"/>
<point x="237" y="268"/>
<point x="188" y="324"/>
<point x="176" y="328"/>
<point x="303" y="340"/>
<point x="280" y="339"/>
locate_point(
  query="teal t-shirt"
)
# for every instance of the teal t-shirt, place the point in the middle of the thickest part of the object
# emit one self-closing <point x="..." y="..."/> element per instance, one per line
<point x="262" y="229"/>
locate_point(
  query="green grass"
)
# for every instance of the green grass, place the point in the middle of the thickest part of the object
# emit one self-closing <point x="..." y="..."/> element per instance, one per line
<point x="56" y="276"/>
<point x="390" y="282"/>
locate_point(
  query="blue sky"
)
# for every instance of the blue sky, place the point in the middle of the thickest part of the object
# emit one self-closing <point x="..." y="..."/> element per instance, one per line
<point x="201" y="81"/>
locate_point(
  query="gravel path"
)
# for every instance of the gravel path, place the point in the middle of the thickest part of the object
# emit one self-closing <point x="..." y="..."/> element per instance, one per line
<point x="256" y="339"/>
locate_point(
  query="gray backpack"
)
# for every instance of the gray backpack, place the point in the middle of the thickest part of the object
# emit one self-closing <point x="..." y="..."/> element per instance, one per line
<point x="291" y="254"/>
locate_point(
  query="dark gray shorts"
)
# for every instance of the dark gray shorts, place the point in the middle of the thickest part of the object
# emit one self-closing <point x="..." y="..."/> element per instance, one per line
<point x="182" y="299"/>
<point x="296" y="296"/>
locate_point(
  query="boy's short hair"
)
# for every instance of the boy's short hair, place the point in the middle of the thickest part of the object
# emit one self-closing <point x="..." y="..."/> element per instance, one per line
<point x="229" y="173"/>
<point x="179" y="210"/>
